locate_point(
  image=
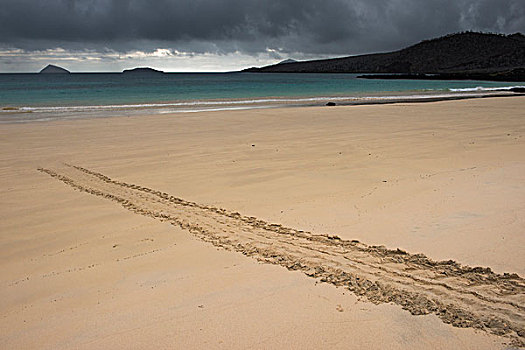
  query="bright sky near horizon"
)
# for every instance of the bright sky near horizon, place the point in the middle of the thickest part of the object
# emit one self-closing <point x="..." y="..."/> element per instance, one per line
<point x="227" y="35"/>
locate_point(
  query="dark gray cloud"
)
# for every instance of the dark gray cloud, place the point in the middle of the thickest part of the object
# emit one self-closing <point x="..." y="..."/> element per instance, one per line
<point x="278" y="28"/>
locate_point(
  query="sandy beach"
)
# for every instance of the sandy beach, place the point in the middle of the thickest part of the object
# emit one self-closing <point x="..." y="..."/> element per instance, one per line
<point x="216" y="230"/>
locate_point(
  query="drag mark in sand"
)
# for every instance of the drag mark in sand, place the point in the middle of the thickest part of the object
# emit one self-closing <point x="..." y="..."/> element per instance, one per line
<point x="459" y="295"/>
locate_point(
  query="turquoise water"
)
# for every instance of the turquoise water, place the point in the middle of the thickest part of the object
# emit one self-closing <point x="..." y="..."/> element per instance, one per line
<point x="38" y="93"/>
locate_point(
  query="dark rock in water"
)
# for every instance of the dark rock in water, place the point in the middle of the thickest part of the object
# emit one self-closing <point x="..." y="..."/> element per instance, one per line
<point x="518" y="89"/>
<point x="142" y="70"/>
<point x="51" y="69"/>
<point x="330" y="104"/>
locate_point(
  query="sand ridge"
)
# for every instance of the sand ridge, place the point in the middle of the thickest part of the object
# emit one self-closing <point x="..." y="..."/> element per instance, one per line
<point x="459" y="295"/>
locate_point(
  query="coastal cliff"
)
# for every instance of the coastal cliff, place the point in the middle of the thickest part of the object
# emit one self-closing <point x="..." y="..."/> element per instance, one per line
<point x="477" y="54"/>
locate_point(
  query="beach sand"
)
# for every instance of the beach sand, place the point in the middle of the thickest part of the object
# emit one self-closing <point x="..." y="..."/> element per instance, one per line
<point x="90" y="263"/>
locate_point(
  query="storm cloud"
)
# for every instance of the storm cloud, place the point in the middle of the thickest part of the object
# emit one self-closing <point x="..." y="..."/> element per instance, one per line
<point x="271" y="29"/>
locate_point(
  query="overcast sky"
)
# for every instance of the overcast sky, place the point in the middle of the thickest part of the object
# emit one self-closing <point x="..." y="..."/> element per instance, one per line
<point x="225" y="35"/>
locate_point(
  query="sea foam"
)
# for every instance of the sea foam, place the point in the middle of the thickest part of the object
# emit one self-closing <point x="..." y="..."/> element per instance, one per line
<point x="481" y="88"/>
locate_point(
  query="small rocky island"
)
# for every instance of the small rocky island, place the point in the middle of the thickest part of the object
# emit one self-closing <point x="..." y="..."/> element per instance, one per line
<point x="142" y="70"/>
<point x="51" y="69"/>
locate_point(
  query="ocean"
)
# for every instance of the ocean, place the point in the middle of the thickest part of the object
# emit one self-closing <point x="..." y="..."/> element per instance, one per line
<point x="39" y="97"/>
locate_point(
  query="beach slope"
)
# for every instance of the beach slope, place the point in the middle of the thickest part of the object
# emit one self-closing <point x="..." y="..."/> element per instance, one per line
<point x="173" y="231"/>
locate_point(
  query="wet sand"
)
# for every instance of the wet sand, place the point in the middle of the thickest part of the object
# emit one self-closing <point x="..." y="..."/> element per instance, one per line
<point x="172" y="231"/>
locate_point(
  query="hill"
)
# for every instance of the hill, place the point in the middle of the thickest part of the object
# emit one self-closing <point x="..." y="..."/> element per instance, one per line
<point x="453" y="54"/>
<point x="289" y="60"/>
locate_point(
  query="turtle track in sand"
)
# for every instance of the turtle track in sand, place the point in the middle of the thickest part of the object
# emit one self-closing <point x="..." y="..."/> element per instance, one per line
<point x="459" y="295"/>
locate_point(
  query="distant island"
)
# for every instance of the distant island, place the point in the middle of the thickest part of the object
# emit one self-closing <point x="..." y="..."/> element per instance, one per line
<point x="467" y="55"/>
<point x="51" y="69"/>
<point x="142" y="70"/>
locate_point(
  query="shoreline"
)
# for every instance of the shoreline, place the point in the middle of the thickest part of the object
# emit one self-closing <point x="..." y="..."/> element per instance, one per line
<point x="496" y="77"/>
<point x="9" y="115"/>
